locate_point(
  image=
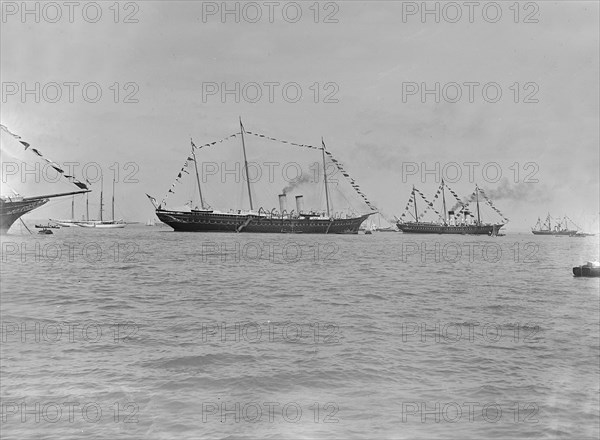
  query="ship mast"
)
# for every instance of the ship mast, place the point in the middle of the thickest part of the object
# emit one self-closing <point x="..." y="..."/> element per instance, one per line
<point x="444" y="202"/>
<point x="477" y="198"/>
<point x="325" y="177"/>
<point x="198" y="178"/>
<point x="101" y="190"/>
<point x="246" y="165"/>
<point x="415" y="203"/>
<point x="113" y="201"/>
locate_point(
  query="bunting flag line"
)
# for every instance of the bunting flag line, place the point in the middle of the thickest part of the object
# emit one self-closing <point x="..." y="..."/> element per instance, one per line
<point x="408" y="204"/>
<point x="191" y="159"/>
<point x="356" y="187"/>
<point x="215" y="142"/>
<point x="260" y="135"/>
<point x="53" y="164"/>
<point x="5" y="128"/>
<point x="280" y="140"/>
<point x="489" y="202"/>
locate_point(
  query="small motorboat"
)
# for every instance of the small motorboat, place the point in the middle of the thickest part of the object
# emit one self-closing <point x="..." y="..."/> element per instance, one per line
<point x="48" y="226"/>
<point x="590" y="269"/>
<point x="45" y="231"/>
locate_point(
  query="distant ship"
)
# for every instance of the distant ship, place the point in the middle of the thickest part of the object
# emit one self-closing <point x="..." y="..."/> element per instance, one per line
<point x="295" y="221"/>
<point x="71" y="222"/>
<point x="560" y="228"/>
<point x="87" y="223"/>
<point x="451" y="222"/>
<point x="380" y="228"/>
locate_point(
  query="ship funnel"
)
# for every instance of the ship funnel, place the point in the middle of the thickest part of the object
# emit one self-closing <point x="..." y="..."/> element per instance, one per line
<point x="282" y="203"/>
<point x="299" y="204"/>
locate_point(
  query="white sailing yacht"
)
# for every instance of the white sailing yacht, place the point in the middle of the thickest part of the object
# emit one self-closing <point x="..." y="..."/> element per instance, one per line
<point x="104" y="224"/>
<point x="68" y="223"/>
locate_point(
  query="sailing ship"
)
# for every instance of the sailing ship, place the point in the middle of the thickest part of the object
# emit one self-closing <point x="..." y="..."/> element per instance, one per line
<point x="387" y="229"/>
<point x="380" y="228"/>
<point x="204" y="219"/>
<point x="104" y="224"/>
<point x="72" y="222"/>
<point x="15" y="206"/>
<point x="561" y="228"/>
<point x="453" y="221"/>
<point x="370" y="227"/>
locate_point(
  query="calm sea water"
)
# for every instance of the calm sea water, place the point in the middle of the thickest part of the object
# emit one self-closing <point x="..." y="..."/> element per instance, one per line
<point x="147" y="333"/>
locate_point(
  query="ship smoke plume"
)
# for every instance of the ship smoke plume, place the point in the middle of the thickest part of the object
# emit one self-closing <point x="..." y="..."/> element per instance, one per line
<point x="524" y="192"/>
<point x="302" y="179"/>
<point x="464" y="201"/>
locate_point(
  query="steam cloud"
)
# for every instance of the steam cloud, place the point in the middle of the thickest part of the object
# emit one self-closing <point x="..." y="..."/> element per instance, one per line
<point x="464" y="201"/>
<point x="524" y="192"/>
<point x="304" y="178"/>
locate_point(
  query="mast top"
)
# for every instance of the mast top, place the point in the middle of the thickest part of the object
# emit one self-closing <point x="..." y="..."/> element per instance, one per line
<point x="325" y="177"/>
<point x="246" y="165"/>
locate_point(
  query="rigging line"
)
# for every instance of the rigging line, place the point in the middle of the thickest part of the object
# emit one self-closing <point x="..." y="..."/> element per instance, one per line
<point x="281" y="141"/>
<point x="350" y="180"/>
<point x="330" y="156"/>
<point x="25" y="225"/>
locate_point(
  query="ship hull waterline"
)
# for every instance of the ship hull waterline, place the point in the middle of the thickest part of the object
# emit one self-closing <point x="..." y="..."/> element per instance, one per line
<point x="566" y="232"/>
<point x="12" y="211"/>
<point x="222" y="222"/>
<point x="426" y="228"/>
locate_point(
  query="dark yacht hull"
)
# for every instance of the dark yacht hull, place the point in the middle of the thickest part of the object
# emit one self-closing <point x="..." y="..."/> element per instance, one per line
<point x="11" y="211"/>
<point x="201" y="221"/>
<point x="431" y="228"/>
<point x="586" y="271"/>
<point x="563" y="232"/>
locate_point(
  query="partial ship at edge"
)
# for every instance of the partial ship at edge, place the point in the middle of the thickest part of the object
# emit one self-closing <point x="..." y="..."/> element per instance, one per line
<point x="12" y="208"/>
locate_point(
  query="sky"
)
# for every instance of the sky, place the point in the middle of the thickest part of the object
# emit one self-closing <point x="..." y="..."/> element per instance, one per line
<point x="363" y="70"/>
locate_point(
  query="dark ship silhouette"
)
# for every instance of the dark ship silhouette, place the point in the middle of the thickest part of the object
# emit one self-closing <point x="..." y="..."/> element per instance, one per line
<point x="452" y="221"/>
<point x="296" y="221"/>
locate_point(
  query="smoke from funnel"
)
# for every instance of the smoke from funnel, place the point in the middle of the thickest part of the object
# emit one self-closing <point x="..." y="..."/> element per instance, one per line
<point x="524" y="192"/>
<point x="463" y="202"/>
<point x="302" y="179"/>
